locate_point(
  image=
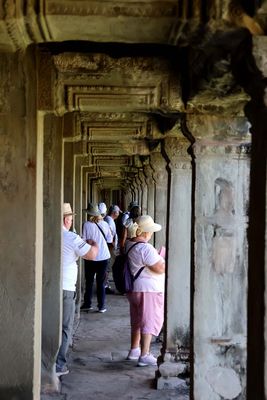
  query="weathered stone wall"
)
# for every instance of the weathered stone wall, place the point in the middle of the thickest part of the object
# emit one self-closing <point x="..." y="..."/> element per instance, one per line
<point x="21" y="227"/>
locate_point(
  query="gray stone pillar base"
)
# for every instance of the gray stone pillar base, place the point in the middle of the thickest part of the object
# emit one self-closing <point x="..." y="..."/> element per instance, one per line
<point x="167" y="375"/>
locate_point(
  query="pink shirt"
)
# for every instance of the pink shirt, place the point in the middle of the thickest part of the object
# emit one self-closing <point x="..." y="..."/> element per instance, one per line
<point x="144" y="254"/>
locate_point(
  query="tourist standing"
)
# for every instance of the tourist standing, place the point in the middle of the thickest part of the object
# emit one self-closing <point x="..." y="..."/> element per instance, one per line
<point x="73" y="248"/>
<point x="98" y="230"/>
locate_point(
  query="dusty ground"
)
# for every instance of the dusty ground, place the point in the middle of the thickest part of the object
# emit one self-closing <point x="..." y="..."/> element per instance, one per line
<point x="98" y="370"/>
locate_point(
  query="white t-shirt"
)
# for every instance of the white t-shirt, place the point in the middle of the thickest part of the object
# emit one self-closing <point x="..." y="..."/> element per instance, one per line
<point x="124" y="217"/>
<point x="110" y="221"/>
<point x="73" y="248"/>
<point x="91" y="231"/>
<point x="144" y="254"/>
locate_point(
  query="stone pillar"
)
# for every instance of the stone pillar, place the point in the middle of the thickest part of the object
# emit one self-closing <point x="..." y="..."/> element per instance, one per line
<point x="220" y="297"/>
<point x="265" y="317"/>
<point x="148" y="171"/>
<point x="94" y="188"/>
<point x="127" y="196"/>
<point x="79" y="161"/>
<point x="160" y="177"/>
<point x="256" y="111"/>
<point x="143" y="204"/>
<point x="135" y="187"/>
<point x="52" y="290"/>
<point x="68" y="150"/>
<point x="21" y="225"/>
<point x="175" y="352"/>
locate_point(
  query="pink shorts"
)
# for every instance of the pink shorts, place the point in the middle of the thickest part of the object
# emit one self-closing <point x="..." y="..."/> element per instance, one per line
<point x="146" y="311"/>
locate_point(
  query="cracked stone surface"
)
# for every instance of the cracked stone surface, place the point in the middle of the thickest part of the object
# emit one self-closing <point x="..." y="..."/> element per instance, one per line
<point x="98" y="369"/>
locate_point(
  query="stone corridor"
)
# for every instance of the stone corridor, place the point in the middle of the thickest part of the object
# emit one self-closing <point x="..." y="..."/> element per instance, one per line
<point x="98" y="370"/>
<point x="163" y="102"/>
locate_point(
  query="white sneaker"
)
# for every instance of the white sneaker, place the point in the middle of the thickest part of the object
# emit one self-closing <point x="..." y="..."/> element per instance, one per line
<point x="102" y="310"/>
<point x="146" y="360"/>
<point x="64" y="371"/>
<point x="134" y="354"/>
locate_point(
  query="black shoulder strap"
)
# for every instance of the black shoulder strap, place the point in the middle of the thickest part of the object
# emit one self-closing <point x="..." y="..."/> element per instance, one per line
<point x="101" y="231"/>
<point x="132" y="247"/>
<point x="140" y="269"/>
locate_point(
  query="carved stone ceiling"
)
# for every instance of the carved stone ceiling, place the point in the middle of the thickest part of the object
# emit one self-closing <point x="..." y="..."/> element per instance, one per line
<point x="128" y="21"/>
<point x="113" y="101"/>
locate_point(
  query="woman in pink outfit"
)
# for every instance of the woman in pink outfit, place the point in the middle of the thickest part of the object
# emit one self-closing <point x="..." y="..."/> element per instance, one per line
<point x="147" y="298"/>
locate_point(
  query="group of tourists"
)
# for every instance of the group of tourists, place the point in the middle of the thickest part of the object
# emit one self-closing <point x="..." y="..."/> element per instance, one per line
<point x="105" y="234"/>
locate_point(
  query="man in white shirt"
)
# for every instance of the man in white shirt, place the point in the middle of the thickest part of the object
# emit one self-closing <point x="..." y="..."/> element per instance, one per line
<point x="73" y="248"/>
<point x="113" y="213"/>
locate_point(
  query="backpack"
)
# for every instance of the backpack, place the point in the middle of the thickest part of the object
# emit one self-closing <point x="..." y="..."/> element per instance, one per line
<point x="122" y="276"/>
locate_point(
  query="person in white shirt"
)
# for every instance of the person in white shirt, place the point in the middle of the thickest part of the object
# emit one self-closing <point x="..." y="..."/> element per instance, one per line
<point x="147" y="298"/>
<point x="98" y="230"/>
<point x="73" y="248"/>
<point x="113" y="213"/>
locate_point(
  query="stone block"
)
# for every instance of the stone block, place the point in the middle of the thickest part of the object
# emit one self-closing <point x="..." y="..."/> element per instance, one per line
<point x="169" y="383"/>
<point x="168" y="369"/>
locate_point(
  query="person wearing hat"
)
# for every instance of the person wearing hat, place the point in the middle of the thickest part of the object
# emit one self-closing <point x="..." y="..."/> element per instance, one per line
<point x="147" y="298"/>
<point x="127" y="227"/>
<point x="126" y="214"/>
<point x="113" y="213"/>
<point x="103" y="209"/>
<point x="98" y="230"/>
<point x="73" y="248"/>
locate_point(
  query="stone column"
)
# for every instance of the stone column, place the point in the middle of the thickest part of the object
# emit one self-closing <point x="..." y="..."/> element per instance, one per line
<point x="160" y="177"/>
<point x="68" y="151"/>
<point x="135" y="187"/>
<point x="52" y="290"/>
<point x="79" y="162"/>
<point x="175" y="352"/>
<point x="148" y="171"/>
<point x="256" y="111"/>
<point x="21" y="225"/>
<point x="127" y="196"/>
<point x="221" y="260"/>
<point x="142" y="179"/>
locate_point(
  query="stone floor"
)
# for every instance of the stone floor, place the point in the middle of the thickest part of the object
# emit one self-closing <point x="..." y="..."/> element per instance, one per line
<point x="98" y="370"/>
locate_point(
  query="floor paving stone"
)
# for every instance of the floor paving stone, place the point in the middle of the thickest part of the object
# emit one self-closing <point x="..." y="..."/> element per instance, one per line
<point x="98" y="369"/>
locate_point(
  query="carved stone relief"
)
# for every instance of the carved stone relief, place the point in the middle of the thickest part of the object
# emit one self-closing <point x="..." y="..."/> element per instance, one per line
<point x="223" y="221"/>
<point x="112" y="9"/>
<point x="93" y="97"/>
<point x="176" y="150"/>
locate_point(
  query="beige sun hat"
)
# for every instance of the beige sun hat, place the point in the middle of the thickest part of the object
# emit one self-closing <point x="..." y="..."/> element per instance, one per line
<point x="67" y="209"/>
<point x="92" y="209"/>
<point x="146" y="224"/>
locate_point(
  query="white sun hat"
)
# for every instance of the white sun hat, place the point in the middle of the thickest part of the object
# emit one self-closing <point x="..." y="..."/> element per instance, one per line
<point x="146" y="224"/>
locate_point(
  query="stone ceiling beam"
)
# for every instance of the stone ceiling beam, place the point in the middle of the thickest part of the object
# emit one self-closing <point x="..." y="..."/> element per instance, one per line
<point x="163" y="22"/>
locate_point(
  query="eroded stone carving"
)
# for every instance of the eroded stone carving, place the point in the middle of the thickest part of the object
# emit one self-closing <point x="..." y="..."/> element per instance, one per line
<point x="110" y="97"/>
<point x="73" y="61"/>
<point x="225" y="382"/>
<point x="223" y="221"/>
<point x="176" y="150"/>
<point x="112" y="9"/>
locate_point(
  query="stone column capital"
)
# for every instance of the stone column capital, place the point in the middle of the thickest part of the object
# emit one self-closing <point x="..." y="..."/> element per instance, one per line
<point x="176" y="151"/>
<point x="148" y="171"/>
